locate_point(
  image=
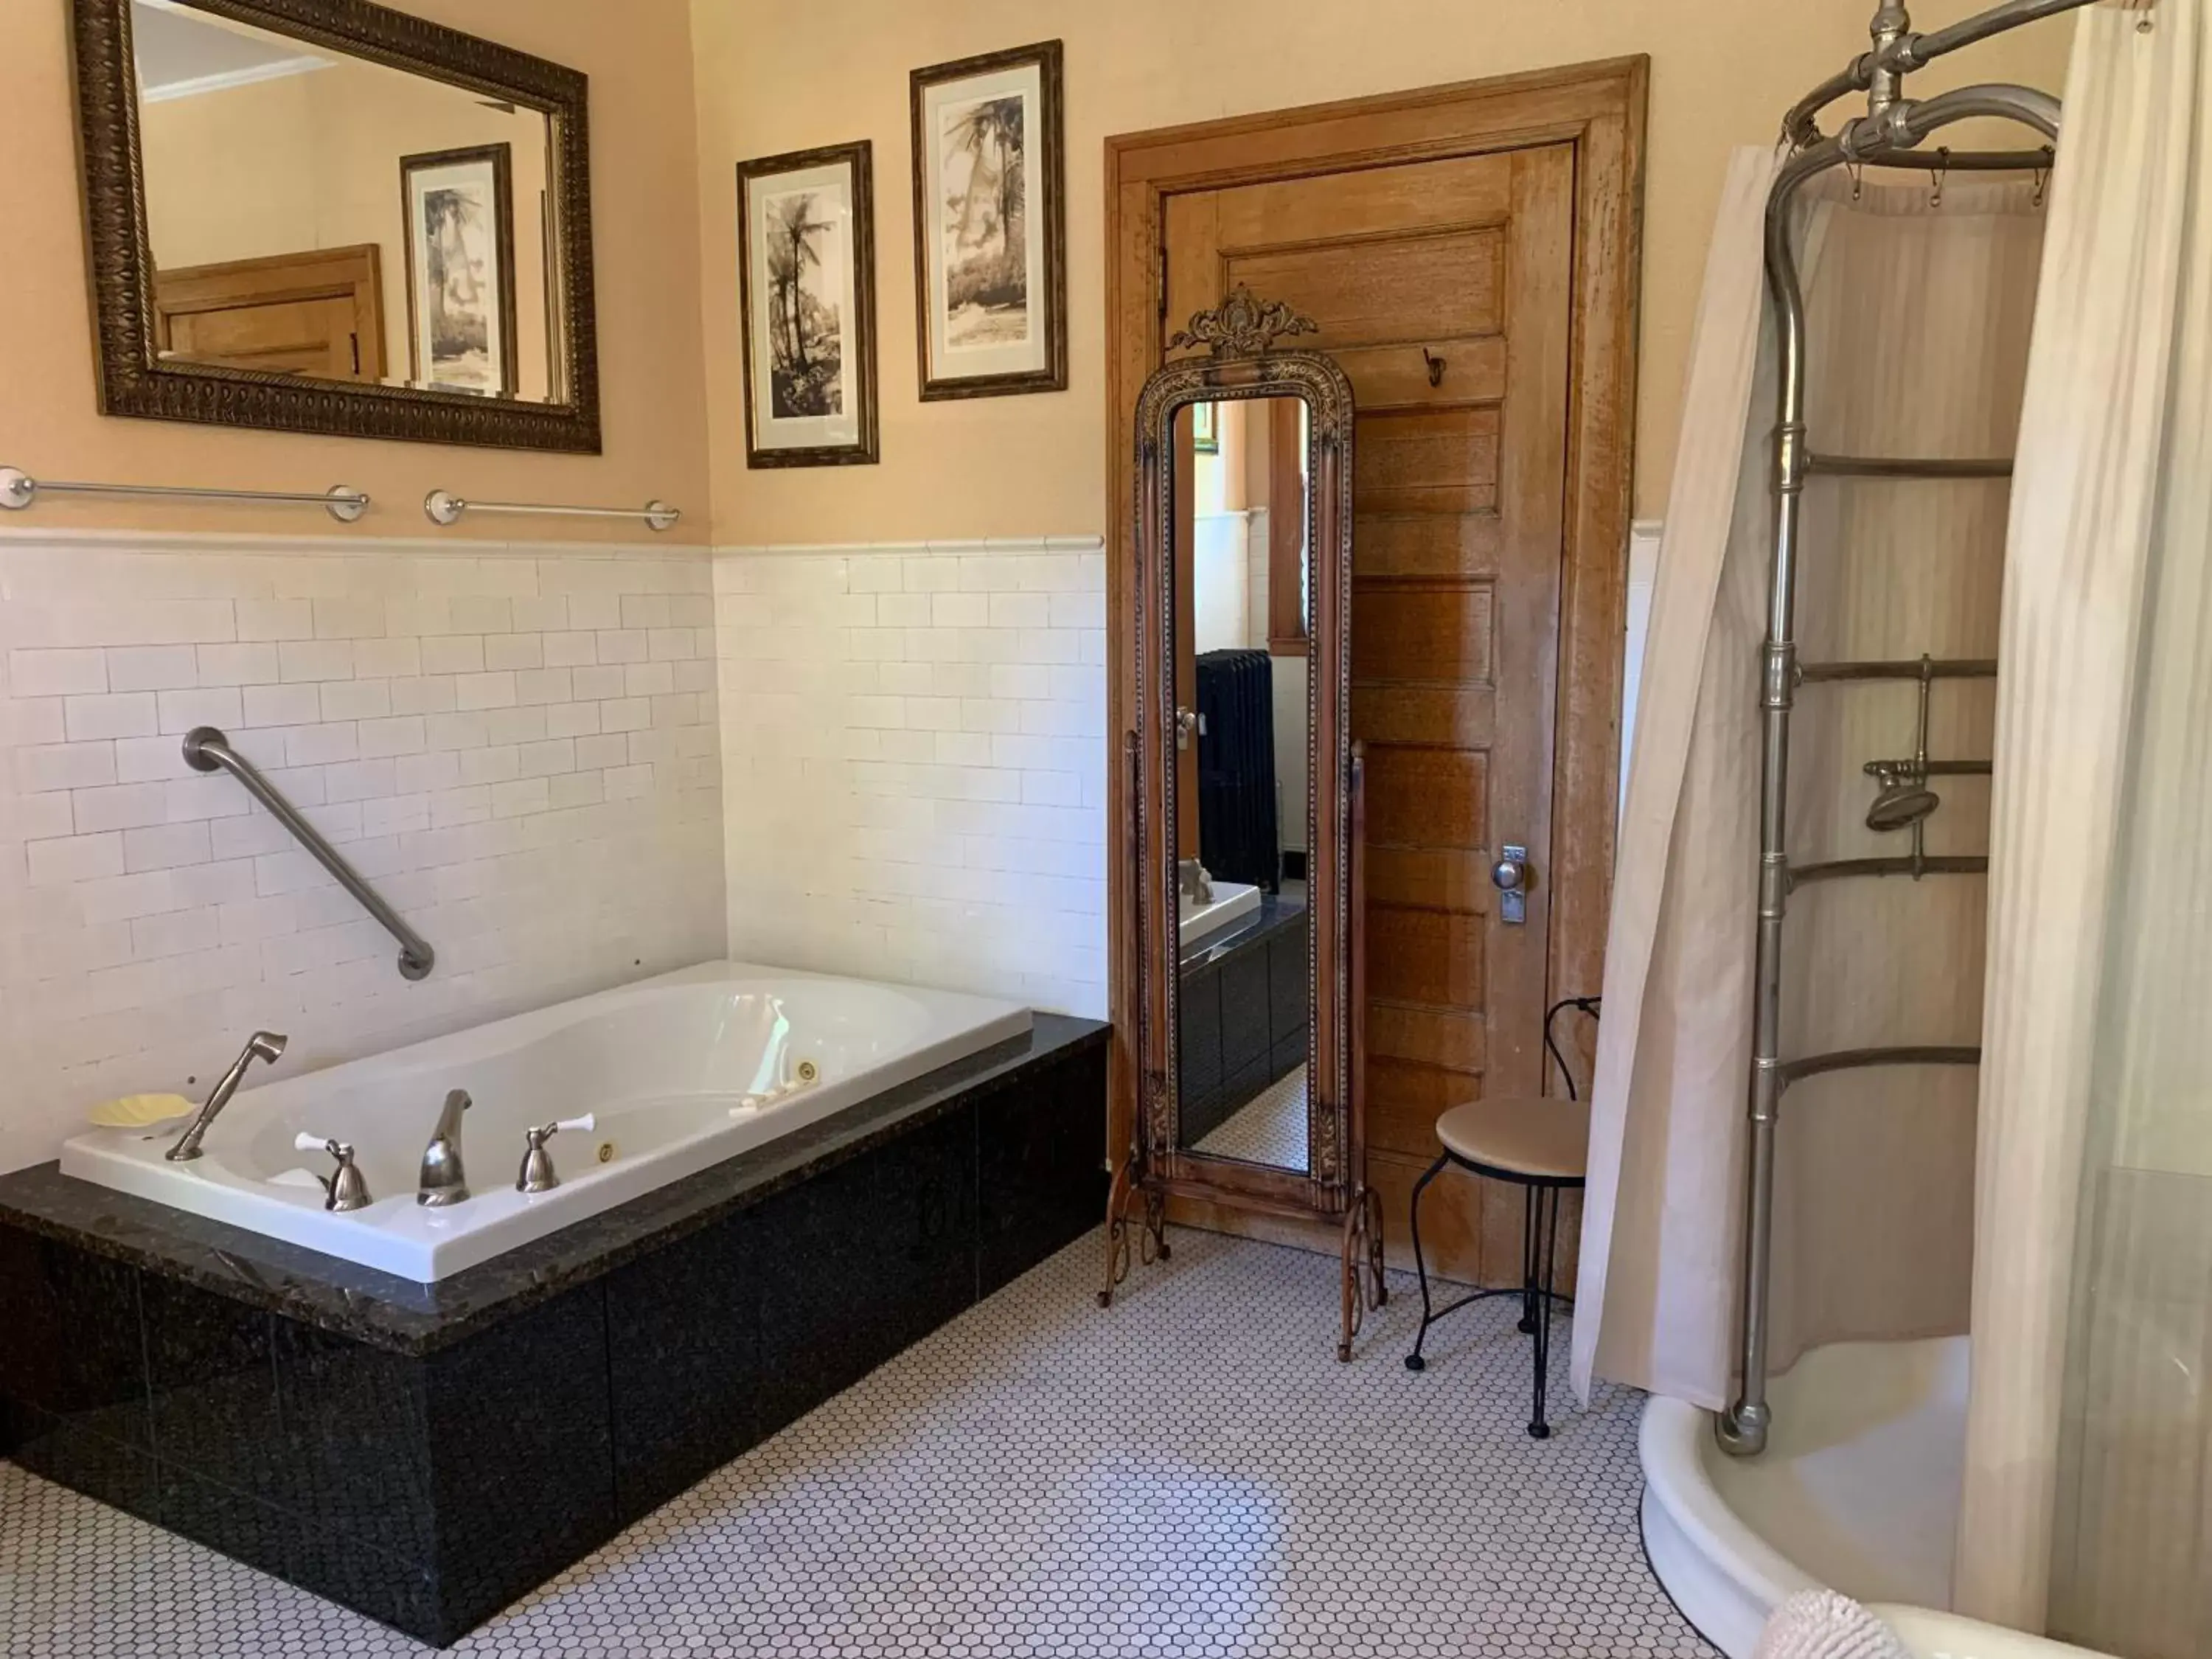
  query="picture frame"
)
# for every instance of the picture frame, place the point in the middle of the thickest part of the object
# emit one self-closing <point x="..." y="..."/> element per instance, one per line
<point x="1206" y="429"/>
<point x="456" y="216"/>
<point x="806" y="270"/>
<point x="990" y="243"/>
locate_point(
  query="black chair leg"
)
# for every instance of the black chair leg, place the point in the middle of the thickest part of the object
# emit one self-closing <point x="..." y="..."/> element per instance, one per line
<point x="1413" y="1360"/>
<point x="1531" y="1200"/>
<point x="1538" y="1427"/>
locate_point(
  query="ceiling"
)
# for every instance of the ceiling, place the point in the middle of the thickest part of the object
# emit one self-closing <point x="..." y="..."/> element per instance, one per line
<point x="181" y="51"/>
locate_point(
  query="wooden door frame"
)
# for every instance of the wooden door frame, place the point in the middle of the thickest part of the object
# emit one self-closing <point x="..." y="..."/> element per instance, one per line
<point x="1597" y="107"/>
<point x="354" y="272"/>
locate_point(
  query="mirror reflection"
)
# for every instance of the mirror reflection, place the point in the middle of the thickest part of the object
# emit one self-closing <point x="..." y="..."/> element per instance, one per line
<point x="316" y="214"/>
<point x="1239" y="630"/>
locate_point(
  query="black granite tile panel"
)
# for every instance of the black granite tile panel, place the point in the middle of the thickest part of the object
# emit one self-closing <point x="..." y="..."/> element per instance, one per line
<point x="116" y="1474"/>
<point x="1240" y="1090"/>
<point x="71" y="1348"/>
<point x="356" y="1449"/>
<point x="408" y="1317"/>
<point x="1290" y="981"/>
<point x="1040" y="1176"/>
<point x="1244" y="1010"/>
<point x="521" y="1453"/>
<point x="860" y="1261"/>
<point x="212" y="1383"/>
<point x="683" y="1344"/>
<point x="927" y="1208"/>
<point x="1289" y="1055"/>
<point x="295" y="1548"/>
<point x="1197" y="1045"/>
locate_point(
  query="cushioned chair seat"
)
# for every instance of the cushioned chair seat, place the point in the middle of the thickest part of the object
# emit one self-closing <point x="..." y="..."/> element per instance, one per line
<point x="1544" y="1139"/>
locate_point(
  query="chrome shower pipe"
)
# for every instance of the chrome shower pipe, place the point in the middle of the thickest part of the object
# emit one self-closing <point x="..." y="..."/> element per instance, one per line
<point x="1912" y="51"/>
<point x="1885" y="133"/>
<point x="1801" y="125"/>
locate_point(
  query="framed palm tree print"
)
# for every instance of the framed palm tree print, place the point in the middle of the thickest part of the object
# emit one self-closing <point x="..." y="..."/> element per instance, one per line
<point x="989" y="241"/>
<point x="806" y="262"/>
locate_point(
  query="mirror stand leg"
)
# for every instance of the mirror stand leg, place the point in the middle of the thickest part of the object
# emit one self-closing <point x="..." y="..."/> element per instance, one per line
<point x="1117" y="1229"/>
<point x="1363" y="1250"/>
<point x="1382" y="1292"/>
<point x="1156" y="1226"/>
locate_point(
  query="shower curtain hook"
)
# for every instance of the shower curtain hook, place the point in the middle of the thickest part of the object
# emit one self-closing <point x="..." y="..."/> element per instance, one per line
<point x="1938" y="173"/>
<point x="2042" y="180"/>
<point x="1857" y="170"/>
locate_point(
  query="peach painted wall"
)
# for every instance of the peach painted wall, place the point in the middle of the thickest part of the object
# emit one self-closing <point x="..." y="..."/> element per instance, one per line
<point x="781" y="78"/>
<point x="648" y="267"/>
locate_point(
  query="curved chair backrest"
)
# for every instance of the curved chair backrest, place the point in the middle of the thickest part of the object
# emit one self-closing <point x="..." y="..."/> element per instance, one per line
<point x="1587" y="1005"/>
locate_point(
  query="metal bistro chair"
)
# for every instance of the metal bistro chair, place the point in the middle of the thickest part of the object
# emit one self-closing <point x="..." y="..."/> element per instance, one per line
<point x="1542" y="1146"/>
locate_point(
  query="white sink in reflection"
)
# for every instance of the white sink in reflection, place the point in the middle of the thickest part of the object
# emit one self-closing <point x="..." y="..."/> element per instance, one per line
<point x="1232" y="902"/>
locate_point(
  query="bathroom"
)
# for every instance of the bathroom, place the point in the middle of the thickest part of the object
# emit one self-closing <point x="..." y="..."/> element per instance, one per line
<point x="939" y="829"/>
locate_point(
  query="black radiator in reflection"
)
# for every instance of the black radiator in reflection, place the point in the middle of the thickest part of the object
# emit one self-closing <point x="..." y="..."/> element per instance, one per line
<point x="1237" y="838"/>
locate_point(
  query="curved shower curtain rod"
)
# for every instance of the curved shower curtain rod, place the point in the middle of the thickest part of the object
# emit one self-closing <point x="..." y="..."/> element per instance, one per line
<point x="1888" y="133"/>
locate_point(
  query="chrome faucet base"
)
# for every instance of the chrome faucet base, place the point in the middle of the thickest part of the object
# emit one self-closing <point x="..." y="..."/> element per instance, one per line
<point x="538" y="1173"/>
<point x="444" y="1181"/>
<point x="345" y="1188"/>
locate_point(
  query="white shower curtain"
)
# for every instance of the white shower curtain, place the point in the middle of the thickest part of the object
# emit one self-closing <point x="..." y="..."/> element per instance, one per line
<point x="2088" y="1496"/>
<point x="1917" y="317"/>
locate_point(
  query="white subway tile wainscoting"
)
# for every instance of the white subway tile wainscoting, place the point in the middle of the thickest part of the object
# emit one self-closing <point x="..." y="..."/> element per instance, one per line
<point x="913" y="740"/>
<point x="514" y="743"/>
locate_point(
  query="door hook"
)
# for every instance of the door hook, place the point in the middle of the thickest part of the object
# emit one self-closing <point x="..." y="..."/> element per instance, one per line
<point x="1436" y="367"/>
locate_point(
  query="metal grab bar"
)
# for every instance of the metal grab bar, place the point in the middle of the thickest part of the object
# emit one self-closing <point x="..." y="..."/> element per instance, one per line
<point x="443" y="506"/>
<point x="18" y="489"/>
<point x="207" y="749"/>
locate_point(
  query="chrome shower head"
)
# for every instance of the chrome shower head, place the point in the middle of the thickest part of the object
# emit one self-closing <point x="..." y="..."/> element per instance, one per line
<point x="1901" y="804"/>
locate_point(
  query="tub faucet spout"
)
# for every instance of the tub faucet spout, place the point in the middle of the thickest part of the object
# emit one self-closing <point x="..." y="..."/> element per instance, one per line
<point x="264" y="1045"/>
<point x="444" y="1181"/>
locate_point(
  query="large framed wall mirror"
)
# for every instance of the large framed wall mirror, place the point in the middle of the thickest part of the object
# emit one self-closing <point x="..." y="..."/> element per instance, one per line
<point x="1243" y="847"/>
<point x="323" y="215"/>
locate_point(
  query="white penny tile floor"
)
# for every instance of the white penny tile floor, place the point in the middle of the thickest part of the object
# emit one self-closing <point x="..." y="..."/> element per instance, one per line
<point x="1269" y="1128"/>
<point x="1191" y="1473"/>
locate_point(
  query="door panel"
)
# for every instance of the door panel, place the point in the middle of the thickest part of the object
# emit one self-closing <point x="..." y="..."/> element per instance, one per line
<point x="317" y="313"/>
<point x="1447" y="289"/>
<point x="1369" y="290"/>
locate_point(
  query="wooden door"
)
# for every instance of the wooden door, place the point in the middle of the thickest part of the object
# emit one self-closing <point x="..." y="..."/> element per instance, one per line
<point x="1458" y="494"/>
<point x="1470" y="255"/>
<point x="318" y="314"/>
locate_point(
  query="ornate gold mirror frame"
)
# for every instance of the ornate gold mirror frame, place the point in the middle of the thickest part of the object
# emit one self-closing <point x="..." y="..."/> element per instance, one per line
<point x="1235" y="358"/>
<point x="134" y="380"/>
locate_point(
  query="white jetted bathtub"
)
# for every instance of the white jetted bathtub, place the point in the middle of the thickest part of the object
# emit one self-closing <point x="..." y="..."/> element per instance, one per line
<point x="677" y="1072"/>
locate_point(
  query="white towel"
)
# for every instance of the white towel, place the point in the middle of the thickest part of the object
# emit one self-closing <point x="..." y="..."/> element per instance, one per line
<point x="1822" y="1624"/>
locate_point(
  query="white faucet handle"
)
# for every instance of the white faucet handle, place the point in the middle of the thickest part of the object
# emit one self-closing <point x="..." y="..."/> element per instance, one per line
<point x="307" y="1142"/>
<point x="584" y="1125"/>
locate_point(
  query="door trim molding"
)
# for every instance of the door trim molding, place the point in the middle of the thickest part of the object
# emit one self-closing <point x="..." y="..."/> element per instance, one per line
<point x="1599" y="108"/>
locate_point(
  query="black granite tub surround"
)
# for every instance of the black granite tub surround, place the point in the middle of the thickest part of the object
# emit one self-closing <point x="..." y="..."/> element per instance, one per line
<point x="427" y="1458"/>
<point x="1243" y="996"/>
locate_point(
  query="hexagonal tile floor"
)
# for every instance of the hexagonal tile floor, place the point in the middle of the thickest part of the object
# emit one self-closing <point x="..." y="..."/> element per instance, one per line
<point x="1190" y="1473"/>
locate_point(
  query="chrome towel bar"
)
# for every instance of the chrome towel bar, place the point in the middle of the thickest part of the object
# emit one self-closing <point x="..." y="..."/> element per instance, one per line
<point x="443" y="506"/>
<point x="18" y="489"/>
<point x="207" y="749"/>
